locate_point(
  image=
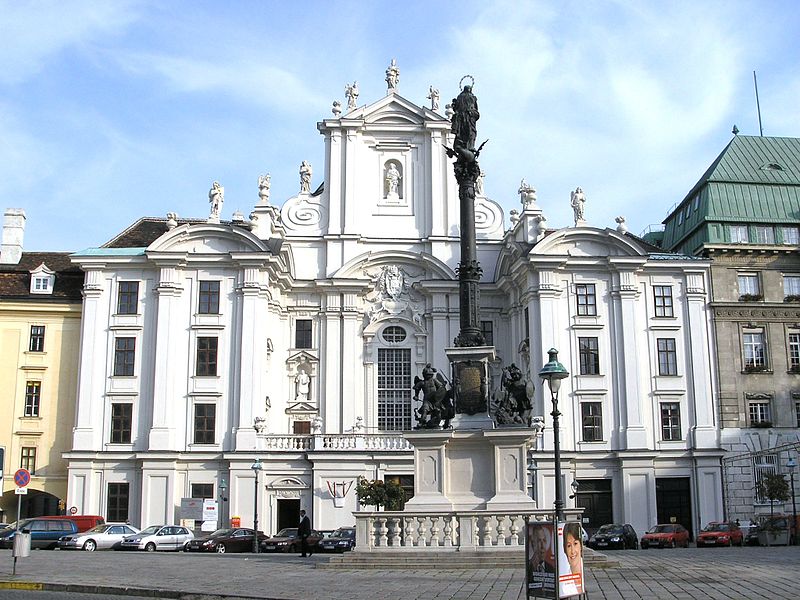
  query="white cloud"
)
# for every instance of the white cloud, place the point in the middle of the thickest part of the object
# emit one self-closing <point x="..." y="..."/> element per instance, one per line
<point x="33" y="33"/>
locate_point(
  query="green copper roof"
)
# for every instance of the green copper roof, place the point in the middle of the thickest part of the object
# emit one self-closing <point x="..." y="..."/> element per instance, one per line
<point x="753" y="180"/>
<point x="760" y="160"/>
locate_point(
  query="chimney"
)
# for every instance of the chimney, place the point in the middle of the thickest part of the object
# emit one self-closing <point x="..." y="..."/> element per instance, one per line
<point x="13" y="232"/>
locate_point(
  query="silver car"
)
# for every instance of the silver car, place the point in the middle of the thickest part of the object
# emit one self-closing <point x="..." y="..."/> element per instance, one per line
<point x="157" y="537"/>
<point x="102" y="537"/>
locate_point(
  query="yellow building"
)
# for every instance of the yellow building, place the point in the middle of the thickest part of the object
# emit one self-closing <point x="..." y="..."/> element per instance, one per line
<point x="40" y="311"/>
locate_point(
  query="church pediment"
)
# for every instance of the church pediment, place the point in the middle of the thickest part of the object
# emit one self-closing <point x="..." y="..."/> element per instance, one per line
<point x="395" y="110"/>
<point x="302" y="408"/>
<point x="587" y="242"/>
<point x="207" y="238"/>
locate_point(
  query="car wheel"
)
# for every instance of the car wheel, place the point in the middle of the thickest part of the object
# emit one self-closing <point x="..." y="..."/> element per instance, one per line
<point x="90" y="546"/>
<point x="150" y="547"/>
<point x="673" y="544"/>
<point x="221" y="549"/>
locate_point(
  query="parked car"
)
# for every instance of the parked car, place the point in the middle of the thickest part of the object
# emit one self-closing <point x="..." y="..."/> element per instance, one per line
<point x="157" y="537"/>
<point x="668" y="535"/>
<point x="341" y="540"/>
<point x="286" y="540"/>
<point x="718" y="533"/>
<point x="614" y="536"/>
<point x="45" y="532"/>
<point x="237" y="539"/>
<point x="102" y="537"/>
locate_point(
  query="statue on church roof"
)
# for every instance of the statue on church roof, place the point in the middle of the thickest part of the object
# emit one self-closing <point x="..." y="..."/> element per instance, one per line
<point x="336" y="109"/>
<point x="264" y="183"/>
<point x="433" y="96"/>
<point x="577" y="201"/>
<point x="216" y="196"/>
<point x="392" y="76"/>
<point x="351" y="93"/>
<point x="305" y="177"/>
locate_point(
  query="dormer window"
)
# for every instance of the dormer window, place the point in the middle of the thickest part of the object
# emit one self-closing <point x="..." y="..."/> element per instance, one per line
<point x="771" y="166"/>
<point x="42" y="280"/>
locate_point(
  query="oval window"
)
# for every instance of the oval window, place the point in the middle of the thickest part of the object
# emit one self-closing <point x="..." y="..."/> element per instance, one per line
<point x="394" y="334"/>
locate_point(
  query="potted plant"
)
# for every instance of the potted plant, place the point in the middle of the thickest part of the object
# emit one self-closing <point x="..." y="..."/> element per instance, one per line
<point x="378" y="493"/>
<point x="775" y="531"/>
<point x="750" y="297"/>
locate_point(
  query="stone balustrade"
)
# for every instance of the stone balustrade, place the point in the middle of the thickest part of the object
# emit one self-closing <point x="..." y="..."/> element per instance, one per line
<point x="333" y="442"/>
<point x="459" y="530"/>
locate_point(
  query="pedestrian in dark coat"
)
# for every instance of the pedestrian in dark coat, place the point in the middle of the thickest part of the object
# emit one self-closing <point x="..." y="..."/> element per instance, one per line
<point x="303" y="531"/>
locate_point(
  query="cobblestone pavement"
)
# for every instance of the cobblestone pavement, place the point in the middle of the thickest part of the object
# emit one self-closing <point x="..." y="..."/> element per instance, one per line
<point x="708" y="574"/>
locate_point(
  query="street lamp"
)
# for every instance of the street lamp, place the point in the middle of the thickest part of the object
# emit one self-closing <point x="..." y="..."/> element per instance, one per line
<point x="792" y="464"/>
<point x="553" y="372"/>
<point x="223" y="487"/>
<point x="256" y="466"/>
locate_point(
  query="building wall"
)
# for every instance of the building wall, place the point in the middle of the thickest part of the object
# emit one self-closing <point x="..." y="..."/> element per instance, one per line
<point x="56" y="370"/>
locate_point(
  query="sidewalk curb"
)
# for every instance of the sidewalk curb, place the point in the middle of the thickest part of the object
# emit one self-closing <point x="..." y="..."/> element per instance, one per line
<point x="77" y="588"/>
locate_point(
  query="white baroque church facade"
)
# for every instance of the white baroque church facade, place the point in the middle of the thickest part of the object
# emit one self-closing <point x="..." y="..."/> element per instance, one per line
<point x="293" y="337"/>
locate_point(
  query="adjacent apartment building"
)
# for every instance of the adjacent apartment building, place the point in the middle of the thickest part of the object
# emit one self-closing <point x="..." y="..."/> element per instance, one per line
<point x="744" y="216"/>
<point x="40" y="312"/>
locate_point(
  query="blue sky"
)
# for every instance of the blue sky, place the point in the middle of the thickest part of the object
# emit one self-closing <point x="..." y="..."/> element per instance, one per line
<point x="110" y="111"/>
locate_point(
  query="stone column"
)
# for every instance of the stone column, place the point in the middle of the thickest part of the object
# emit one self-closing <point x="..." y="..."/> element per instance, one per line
<point x="168" y="386"/>
<point x="94" y="363"/>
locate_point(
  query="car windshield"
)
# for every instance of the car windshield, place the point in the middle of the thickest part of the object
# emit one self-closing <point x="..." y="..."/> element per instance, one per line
<point x="609" y="529"/>
<point x="98" y="529"/>
<point x="662" y="529"/>
<point x="287" y="532"/>
<point x="221" y="532"/>
<point x="150" y="530"/>
<point x="344" y="532"/>
<point x="716" y="527"/>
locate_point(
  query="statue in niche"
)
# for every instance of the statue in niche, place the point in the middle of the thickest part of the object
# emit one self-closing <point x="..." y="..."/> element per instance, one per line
<point x="305" y="177"/>
<point x="351" y="93"/>
<point x="264" y="183"/>
<point x="437" y="400"/>
<point x="216" y="196"/>
<point x="433" y="96"/>
<point x="392" y="76"/>
<point x="302" y="384"/>
<point x="513" y="403"/>
<point x="392" y="180"/>
<point x="577" y="202"/>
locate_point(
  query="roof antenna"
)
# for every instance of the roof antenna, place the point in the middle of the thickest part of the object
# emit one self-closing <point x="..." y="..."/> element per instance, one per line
<point x="758" y="106"/>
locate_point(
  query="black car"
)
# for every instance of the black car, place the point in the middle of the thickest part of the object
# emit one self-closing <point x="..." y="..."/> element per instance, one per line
<point x="286" y="540"/>
<point x="341" y="540"/>
<point x="614" y="536"/>
<point x="237" y="539"/>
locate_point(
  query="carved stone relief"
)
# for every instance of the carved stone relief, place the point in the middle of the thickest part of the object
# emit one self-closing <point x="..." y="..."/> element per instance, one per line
<point x="393" y="296"/>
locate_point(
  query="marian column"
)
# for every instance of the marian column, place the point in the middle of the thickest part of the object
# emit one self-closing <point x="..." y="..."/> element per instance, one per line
<point x="469" y="359"/>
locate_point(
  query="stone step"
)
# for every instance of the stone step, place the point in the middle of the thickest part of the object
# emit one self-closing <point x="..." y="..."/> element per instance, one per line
<point x="416" y="559"/>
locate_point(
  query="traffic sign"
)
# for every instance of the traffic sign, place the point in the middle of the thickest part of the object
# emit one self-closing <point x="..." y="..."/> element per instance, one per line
<point x="22" y="477"/>
<point x="21" y="491"/>
<point x="73" y="510"/>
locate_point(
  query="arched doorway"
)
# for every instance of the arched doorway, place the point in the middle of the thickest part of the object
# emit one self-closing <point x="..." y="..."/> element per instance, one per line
<point x="36" y="503"/>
